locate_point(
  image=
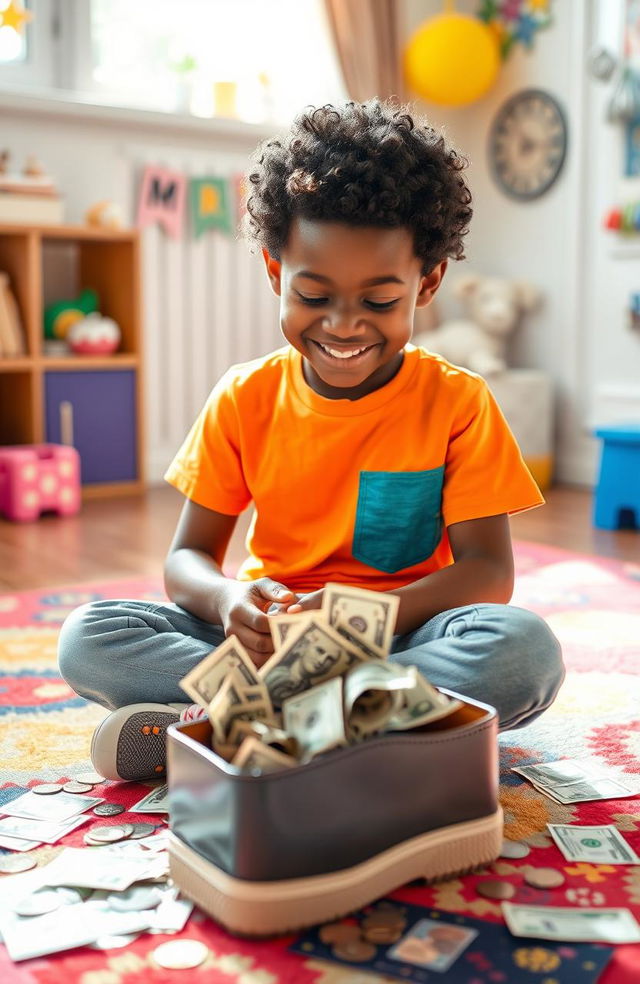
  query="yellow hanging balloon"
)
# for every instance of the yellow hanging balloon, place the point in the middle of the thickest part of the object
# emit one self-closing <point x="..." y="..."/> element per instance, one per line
<point x="453" y="59"/>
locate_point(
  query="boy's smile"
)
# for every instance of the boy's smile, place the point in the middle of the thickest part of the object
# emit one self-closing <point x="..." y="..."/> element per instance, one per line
<point x="348" y="296"/>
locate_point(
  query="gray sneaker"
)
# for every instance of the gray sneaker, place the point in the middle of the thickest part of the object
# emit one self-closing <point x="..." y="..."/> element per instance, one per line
<point x="130" y="742"/>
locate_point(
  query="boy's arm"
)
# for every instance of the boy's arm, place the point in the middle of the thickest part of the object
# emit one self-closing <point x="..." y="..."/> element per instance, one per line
<point x="482" y="572"/>
<point x="193" y="575"/>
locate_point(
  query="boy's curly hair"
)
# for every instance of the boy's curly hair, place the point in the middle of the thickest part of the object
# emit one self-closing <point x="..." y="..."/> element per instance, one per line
<point x="365" y="164"/>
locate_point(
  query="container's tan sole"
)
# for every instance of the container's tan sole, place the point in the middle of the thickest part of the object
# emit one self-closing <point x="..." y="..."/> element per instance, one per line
<point x="275" y="907"/>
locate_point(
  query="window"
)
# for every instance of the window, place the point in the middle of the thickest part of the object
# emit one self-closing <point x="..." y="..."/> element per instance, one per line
<point x="253" y="60"/>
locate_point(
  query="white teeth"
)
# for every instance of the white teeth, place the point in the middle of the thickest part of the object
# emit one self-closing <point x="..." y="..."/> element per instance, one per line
<point x="343" y="354"/>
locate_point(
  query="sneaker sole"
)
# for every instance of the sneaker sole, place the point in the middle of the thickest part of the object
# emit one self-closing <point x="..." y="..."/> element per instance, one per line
<point x="273" y="908"/>
<point x="130" y="743"/>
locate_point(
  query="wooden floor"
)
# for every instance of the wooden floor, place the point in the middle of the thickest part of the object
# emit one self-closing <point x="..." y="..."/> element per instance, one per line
<point x="129" y="537"/>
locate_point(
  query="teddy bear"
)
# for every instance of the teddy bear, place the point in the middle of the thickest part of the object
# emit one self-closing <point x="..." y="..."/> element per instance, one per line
<point x="494" y="306"/>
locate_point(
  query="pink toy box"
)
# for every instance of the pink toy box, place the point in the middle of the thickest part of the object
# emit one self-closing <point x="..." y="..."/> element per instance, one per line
<point x="39" y="477"/>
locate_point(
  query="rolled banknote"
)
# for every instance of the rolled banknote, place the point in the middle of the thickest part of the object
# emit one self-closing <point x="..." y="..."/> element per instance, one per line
<point x="315" y="718"/>
<point x="312" y="653"/>
<point x="373" y="693"/>
<point x="268" y="734"/>
<point x="253" y="755"/>
<point x="366" y="618"/>
<point x="422" y="704"/>
<point x="203" y="682"/>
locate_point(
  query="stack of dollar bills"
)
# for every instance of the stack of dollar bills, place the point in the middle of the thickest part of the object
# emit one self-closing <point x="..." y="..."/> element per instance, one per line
<point x="328" y="684"/>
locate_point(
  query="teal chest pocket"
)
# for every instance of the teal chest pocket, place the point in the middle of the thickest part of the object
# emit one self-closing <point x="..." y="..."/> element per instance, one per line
<point x="398" y="518"/>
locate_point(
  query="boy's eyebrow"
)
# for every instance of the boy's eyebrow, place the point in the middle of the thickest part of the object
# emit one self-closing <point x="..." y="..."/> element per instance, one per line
<point x="373" y="282"/>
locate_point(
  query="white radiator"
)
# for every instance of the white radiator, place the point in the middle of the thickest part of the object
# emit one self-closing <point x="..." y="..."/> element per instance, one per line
<point x="206" y="305"/>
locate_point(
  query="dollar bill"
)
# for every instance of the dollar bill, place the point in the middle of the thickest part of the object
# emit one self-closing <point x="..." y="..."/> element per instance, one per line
<point x="373" y="692"/>
<point x="157" y="801"/>
<point x="366" y="618"/>
<point x="60" y="807"/>
<point x="311" y="654"/>
<point x="253" y="755"/>
<point x="576" y="781"/>
<point x="96" y="869"/>
<point x="281" y="625"/>
<point x="45" y="831"/>
<point x="315" y="718"/>
<point x="203" y="682"/>
<point x="596" y="845"/>
<point x="268" y="734"/>
<point x="422" y="705"/>
<point x="234" y="700"/>
<point x="571" y="925"/>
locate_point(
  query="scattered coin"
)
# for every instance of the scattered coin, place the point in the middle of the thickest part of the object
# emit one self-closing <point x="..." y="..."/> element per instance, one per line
<point x="93" y="778"/>
<point x="108" y="835"/>
<point x="108" y="809"/>
<point x="69" y="896"/>
<point x="77" y="787"/>
<point x="11" y="863"/>
<point x="41" y="901"/>
<point x="355" y="951"/>
<point x="180" y="954"/>
<point x="544" y="878"/>
<point x="339" y="933"/>
<point x="135" y="899"/>
<point x="387" y="919"/>
<point x="47" y="788"/>
<point x="113" y="942"/>
<point x="383" y="935"/>
<point x="514" y="849"/>
<point x="492" y="889"/>
<point x="142" y="830"/>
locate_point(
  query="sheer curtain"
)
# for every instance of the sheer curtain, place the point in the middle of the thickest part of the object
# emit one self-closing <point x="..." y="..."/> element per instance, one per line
<point x="366" y="34"/>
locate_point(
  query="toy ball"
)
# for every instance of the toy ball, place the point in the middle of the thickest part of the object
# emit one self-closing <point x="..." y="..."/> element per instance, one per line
<point x="453" y="59"/>
<point x="94" y="335"/>
<point x="105" y="215"/>
<point x="59" y="317"/>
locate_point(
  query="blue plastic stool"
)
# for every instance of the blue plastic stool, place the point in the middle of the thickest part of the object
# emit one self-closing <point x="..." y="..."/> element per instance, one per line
<point x="619" y="482"/>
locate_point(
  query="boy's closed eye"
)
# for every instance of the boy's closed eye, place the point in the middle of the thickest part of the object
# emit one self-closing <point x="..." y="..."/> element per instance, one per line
<point x="373" y="305"/>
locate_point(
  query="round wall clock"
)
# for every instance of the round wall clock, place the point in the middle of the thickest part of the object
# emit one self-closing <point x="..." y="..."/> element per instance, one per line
<point x="527" y="144"/>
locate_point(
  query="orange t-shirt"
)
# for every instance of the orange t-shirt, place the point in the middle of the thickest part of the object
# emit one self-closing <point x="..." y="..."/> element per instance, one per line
<point x="354" y="491"/>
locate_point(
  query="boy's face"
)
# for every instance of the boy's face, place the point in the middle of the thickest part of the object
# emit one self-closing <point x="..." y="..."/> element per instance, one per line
<point x="348" y="296"/>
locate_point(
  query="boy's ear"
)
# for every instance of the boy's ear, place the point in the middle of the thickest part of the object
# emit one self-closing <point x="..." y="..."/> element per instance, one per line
<point x="430" y="283"/>
<point x="274" y="270"/>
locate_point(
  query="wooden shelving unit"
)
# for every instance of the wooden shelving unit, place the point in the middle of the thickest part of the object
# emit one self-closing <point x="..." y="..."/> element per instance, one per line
<point x="102" y="395"/>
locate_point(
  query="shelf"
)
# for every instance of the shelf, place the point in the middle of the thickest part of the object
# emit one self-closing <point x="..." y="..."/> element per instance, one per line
<point x="123" y="360"/>
<point x="75" y="232"/>
<point x="16" y="365"/>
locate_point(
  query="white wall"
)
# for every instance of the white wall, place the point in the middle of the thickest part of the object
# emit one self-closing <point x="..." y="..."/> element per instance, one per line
<point x="580" y="336"/>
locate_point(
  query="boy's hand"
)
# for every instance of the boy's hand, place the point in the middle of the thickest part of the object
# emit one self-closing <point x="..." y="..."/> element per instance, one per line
<point x="243" y="613"/>
<point x="306" y="603"/>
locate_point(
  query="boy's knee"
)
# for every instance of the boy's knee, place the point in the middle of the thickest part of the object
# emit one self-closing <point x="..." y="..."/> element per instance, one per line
<point x="75" y="648"/>
<point x="540" y="654"/>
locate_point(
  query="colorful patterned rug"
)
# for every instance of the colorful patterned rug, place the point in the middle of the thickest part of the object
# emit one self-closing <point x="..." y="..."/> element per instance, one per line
<point x="593" y="606"/>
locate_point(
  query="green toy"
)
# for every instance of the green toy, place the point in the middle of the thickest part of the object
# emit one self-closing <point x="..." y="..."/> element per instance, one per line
<point x="59" y="317"/>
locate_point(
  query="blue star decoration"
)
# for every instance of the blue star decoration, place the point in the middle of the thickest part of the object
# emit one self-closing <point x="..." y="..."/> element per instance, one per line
<point x="526" y="29"/>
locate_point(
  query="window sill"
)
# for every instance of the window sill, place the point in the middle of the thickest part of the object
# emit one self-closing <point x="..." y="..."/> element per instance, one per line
<point x="19" y="101"/>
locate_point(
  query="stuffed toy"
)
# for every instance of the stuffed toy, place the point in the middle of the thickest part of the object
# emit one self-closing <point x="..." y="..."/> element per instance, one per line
<point x="494" y="307"/>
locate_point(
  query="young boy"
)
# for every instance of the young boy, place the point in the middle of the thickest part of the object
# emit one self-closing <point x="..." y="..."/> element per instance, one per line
<point x="369" y="461"/>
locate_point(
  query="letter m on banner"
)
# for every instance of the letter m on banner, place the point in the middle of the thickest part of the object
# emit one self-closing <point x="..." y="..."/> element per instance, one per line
<point x="162" y="199"/>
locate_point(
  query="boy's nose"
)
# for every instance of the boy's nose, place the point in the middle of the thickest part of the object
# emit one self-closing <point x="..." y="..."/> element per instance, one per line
<point x="344" y="324"/>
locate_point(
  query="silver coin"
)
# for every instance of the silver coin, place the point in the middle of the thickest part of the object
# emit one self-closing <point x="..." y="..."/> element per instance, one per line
<point x="47" y="788"/>
<point x="135" y="899"/>
<point x="11" y="863"/>
<point x="39" y="902"/>
<point x="77" y="787"/>
<point x="108" y="809"/>
<point x="69" y="896"/>
<point x="143" y="830"/>
<point x="93" y="778"/>
<point x="514" y="849"/>
<point x="107" y="835"/>
<point x="113" y="942"/>
<point x="180" y="954"/>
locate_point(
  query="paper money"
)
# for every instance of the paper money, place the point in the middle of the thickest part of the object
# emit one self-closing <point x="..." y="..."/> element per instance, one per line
<point x="62" y="806"/>
<point x="157" y="801"/>
<point x="234" y="701"/>
<point x="311" y="654"/>
<point x="203" y="682"/>
<point x="315" y="718"/>
<point x="421" y="705"/>
<point x="597" y="845"/>
<point x="373" y="692"/>
<point x="252" y="755"/>
<point x="281" y="625"/>
<point x="45" y="831"/>
<point x="268" y="734"/>
<point x="576" y="781"/>
<point x="18" y="843"/>
<point x="366" y="618"/>
<point x="571" y="925"/>
<point x="95" y="869"/>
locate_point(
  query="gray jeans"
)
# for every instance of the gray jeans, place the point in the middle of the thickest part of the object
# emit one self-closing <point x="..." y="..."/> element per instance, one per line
<point x="127" y="652"/>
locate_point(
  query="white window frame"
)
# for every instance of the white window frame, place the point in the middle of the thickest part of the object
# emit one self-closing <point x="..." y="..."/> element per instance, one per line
<point x="39" y="69"/>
